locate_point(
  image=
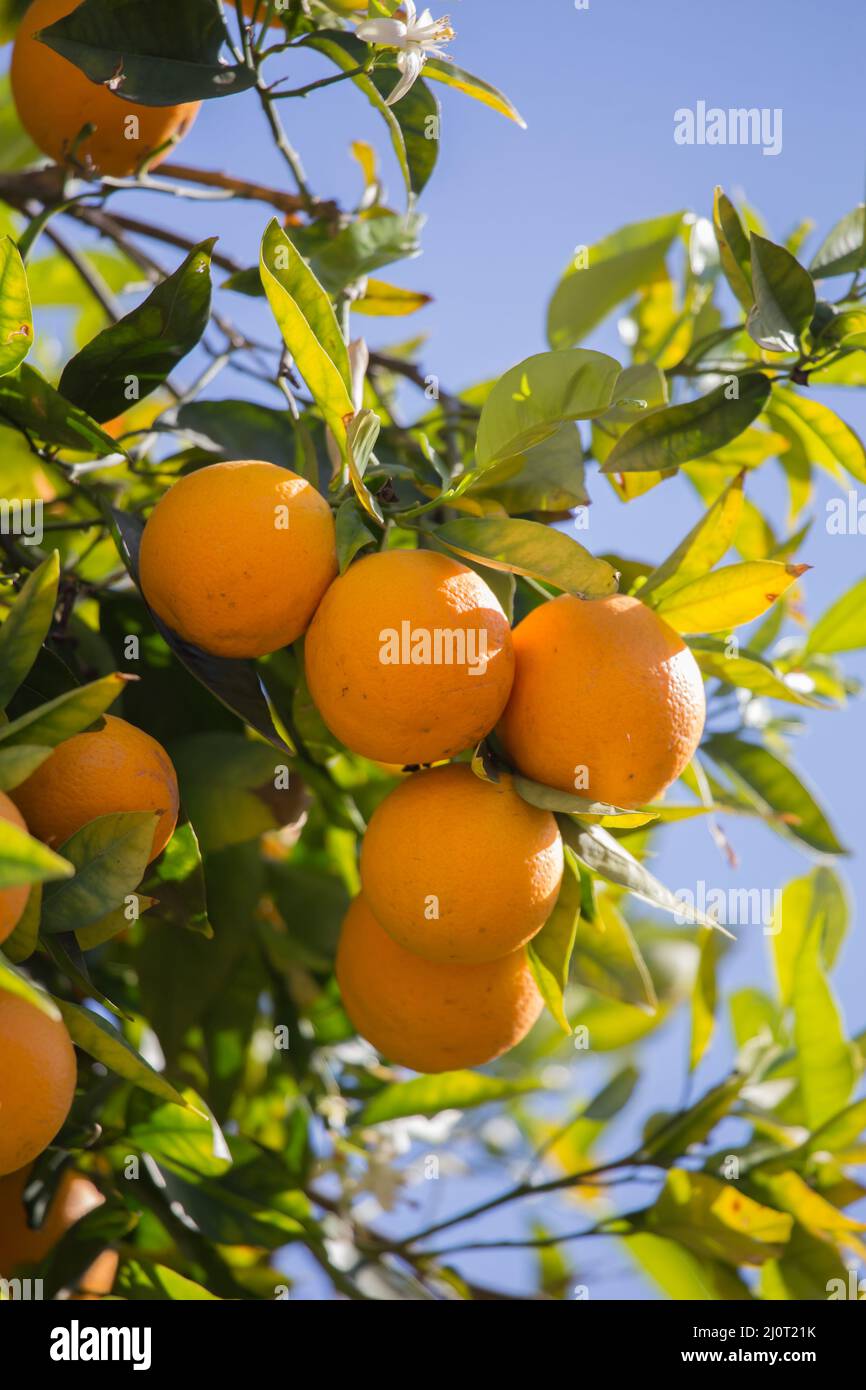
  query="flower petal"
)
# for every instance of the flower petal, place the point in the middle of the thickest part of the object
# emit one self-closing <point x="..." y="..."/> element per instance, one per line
<point x="410" y="64"/>
<point x="391" y="33"/>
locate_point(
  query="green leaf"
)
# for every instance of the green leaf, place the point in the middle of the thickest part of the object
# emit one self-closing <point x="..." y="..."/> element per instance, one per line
<point x="602" y="276"/>
<point x="110" y="856"/>
<point x="309" y="328"/>
<point x="67" y="714"/>
<point x="166" y="52"/>
<point x="840" y="1132"/>
<point x="30" y="403"/>
<point x="16" y="316"/>
<point x="475" y="87"/>
<point x="818" y="898"/>
<point x="825" y="1059"/>
<point x="361" y="435"/>
<point x="748" y="670"/>
<point x="148" y="1280"/>
<point x="366" y="245"/>
<point x="681" y="1274"/>
<point x="718" y="1220"/>
<point x="27" y="626"/>
<point x="100" y="1040"/>
<point x="22" y="943"/>
<point x="189" y="1138"/>
<point x="843" y="250"/>
<point x="772" y="786"/>
<point x="26" y="860"/>
<point x="12" y="981"/>
<point x="532" y="400"/>
<point x="784" y="297"/>
<point x="734" y="249"/>
<point x="607" y="856"/>
<point x="826" y="440"/>
<point x="806" y="1271"/>
<point x="450" y="1090"/>
<point x="674" y="1134"/>
<point x="352" y="532"/>
<point x="241" y="429"/>
<point x="546" y="478"/>
<point x="708" y="542"/>
<point x="842" y="628"/>
<point x="704" y="997"/>
<point x="728" y="597"/>
<point x="554" y="799"/>
<point x="530" y="548"/>
<point x="137" y="354"/>
<point x="679" y="433"/>
<point x="550" y="950"/>
<point x="607" y="959"/>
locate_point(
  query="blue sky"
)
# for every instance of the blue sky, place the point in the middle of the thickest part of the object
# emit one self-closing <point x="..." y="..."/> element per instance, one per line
<point x="598" y="88"/>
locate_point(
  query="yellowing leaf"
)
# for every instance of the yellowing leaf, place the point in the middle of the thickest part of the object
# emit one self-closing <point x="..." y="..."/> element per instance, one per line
<point x="715" y="1219"/>
<point x="389" y="301"/>
<point x="828" y="441"/>
<point x="814" y="1213"/>
<point x="728" y="597"/>
<point x="703" y="547"/>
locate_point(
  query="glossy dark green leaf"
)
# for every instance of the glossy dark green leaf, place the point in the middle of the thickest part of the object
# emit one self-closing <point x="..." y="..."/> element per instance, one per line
<point x="530" y="548"/>
<point x="167" y="51"/>
<point x="774" y="787"/>
<point x="603" y="275"/>
<point x="241" y="429"/>
<point x="131" y="358"/>
<point x="110" y="855"/>
<point x="679" y="433"/>
<point x="26" y="625"/>
<point x="353" y="533"/>
<point x="784" y="297"/>
<point x="30" y="403"/>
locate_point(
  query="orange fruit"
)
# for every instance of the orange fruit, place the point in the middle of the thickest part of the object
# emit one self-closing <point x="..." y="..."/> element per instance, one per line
<point x="55" y="100"/>
<point x="37" y="1080"/>
<point x="608" y="701"/>
<point x="236" y="556"/>
<point x="426" y="1015"/>
<point x="12" y="900"/>
<point x="115" y="768"/>
<point x="409" y="657"/>
<point x="459" y="870"/>
<point x="20" y="1246"/>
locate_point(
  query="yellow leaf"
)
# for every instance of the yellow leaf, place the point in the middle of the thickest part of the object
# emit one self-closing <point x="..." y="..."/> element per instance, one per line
<point x="814" y="1213"/>
<point x="389" y="301"/>
<point x="728" y="597"/>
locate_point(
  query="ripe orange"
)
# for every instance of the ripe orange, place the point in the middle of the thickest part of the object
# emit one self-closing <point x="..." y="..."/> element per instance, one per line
<point x="37" y="1080"/>
<point x="409" y="657"/>
<point x="12" y="900"/>
<point x="459" y="870"/>
<point x="608" y="701"/>
<point x="55" y="100"/>
<point x="115" y="768"/>
<point x="20" y="1246"/>
<point x="425" y="1015"/>
<point x="235" y="557"/>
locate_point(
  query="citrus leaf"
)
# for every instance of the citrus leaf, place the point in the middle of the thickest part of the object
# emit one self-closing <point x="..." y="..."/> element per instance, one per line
<point x="12" y="981"/>
<point x="706" y="544"/>
<point x="530" y="548"/>
<point x="110" y="856"/>
<point x="784" y="297"/>
<point x="550" y="950"/>
<point x="27" y="625"/>
<point x="703" y="1001"/>
<point x="309" y="328"/>
<point x="352" y="533"/>
<point x="103" y="1042"/>
<point x="16" y="315"/>
<point x="819" y="897"/>
<point x="842" y="628"/>
<point x="606" y="274"/>
<point x="825" y="1059"/>
<point x="166" y="53"/>
<point x="676" y="1133"/>
<point x="826" y="439"/>
<point x="137" y="353"/>
<point x="748" y="671"/>
<point x="450" y="1090"/>
<point x="30" y="403"/>
<point x="26" y="860"/>
<point x="389" y="301"/>
<point x="717" y="1219"/>
<point x="68" y="714"/>
<point x="843" y="250"/>
<point x="533" y="399"/>
<point x="607" y="959"/>
<point x="361" y="435"/>
<point x="25" y="938"/>
<point x="728" y="597"/>
<point x="774" y="787"/>
<point x="679" y="433"/>
<point x="475" y="87"/>
<point x="734" y="250"/>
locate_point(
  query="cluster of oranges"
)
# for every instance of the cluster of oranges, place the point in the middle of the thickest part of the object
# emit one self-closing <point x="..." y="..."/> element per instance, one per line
<point x="56" y="101"/>
<point x="410" y="660"/>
